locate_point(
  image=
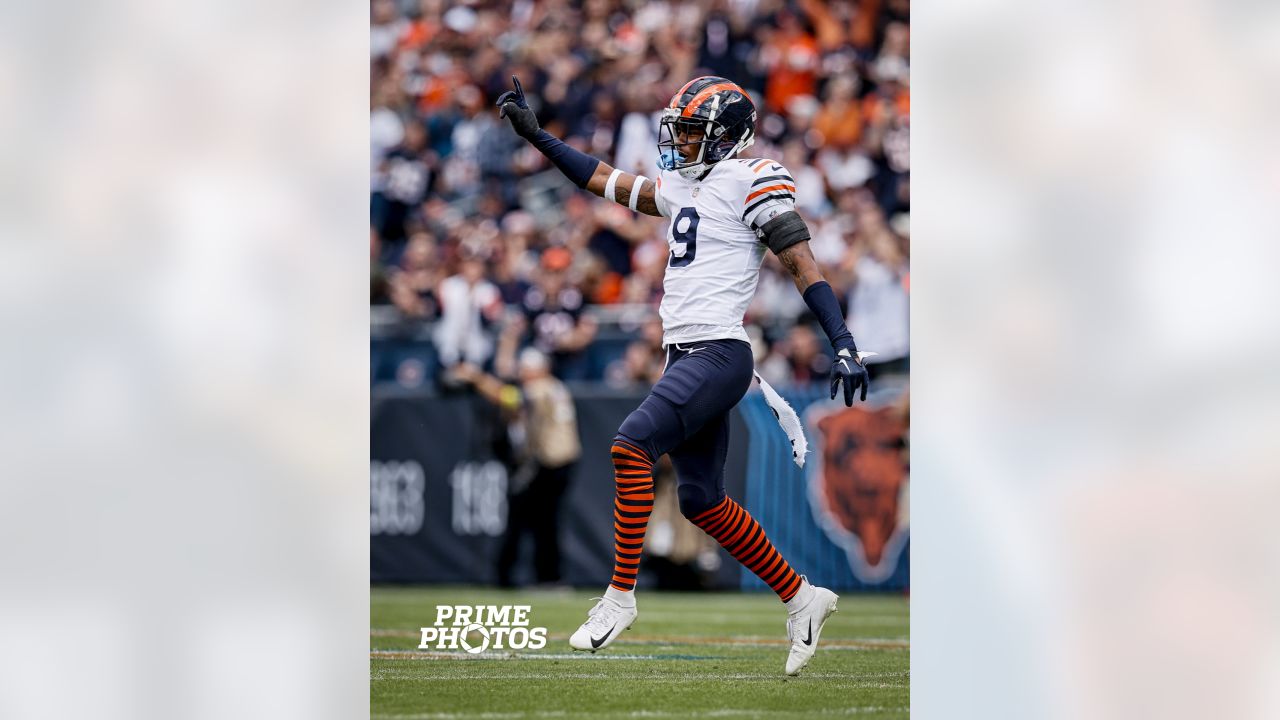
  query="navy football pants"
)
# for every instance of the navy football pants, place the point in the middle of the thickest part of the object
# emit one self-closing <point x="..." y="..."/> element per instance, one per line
<point x="686" y="415"/>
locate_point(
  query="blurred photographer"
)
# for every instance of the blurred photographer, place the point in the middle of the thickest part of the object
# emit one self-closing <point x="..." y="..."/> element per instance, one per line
<point x="543" y="426"/>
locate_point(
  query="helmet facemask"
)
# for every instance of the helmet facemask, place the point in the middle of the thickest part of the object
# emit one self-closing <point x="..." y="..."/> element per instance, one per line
<point x="714" y="142"/>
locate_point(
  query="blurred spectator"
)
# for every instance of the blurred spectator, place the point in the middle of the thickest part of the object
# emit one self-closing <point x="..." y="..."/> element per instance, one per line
<point x="386" y="130"/>
<point x="839" y="121"/>
<point x="638" y="369"/>
<point x="790" y="58"/>
<point x="414" y="282"/>
<point x="553" y="312"/>
<point x="830" y="21"/>
<point x="800" y="359"/>
<point x="637" y="139"/>
<point x="879" y="305"/>
<point x="515" y="258"/>
<point x="385" y="27"/>
<point x="450" y="182"/>
<point x="468" y="303"/>
<point x="405" y="176"/>
<point x="811" y="187"/>
<point x="462" y="168"/>
<point x="542" y="417"/>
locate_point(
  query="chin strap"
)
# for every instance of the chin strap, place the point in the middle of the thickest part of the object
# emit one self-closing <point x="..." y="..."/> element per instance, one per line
<point x="693" y="172"/>
<point x="743" y="144"/>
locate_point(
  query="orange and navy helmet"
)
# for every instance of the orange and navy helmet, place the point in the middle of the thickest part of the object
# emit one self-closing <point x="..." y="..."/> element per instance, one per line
<point x="710" y="119"/>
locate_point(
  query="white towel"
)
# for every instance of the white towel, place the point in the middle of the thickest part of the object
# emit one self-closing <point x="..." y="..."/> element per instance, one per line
<point x="788" y="419"/>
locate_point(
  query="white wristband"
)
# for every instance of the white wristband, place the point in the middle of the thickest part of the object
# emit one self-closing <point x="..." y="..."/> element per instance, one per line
<point x="635" y="190"/>
<point x="608" y="186"/>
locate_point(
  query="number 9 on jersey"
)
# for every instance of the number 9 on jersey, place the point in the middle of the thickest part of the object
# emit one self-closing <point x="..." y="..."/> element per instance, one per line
<point x="684" y="237"/>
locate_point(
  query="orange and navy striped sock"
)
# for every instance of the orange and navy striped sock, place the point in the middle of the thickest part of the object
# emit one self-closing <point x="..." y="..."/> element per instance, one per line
<point x="633" y="474"/>
<point x="739" y="533"/>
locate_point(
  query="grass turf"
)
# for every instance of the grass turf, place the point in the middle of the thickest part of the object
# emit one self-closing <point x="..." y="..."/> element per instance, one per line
<point x="687" y="656"/>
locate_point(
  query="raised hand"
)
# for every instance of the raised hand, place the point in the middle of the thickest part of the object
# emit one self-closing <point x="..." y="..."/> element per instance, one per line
<point x="513" y="106"/>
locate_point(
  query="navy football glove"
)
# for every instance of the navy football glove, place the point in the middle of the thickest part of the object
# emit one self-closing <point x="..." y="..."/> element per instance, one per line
<point x="514" y="108"/>
<point x="848" y="368"/>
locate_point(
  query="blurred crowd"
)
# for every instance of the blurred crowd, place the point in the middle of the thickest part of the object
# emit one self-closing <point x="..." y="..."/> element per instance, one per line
<point x="480" y="243"/>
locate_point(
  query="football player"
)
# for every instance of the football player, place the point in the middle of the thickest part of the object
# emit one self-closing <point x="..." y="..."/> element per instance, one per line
<point x="725" y="212"/>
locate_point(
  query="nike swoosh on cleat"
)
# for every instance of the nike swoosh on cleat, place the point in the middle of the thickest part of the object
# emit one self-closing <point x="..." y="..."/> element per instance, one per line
<point x="596" y="643"/>
<point x="809" y="638"/>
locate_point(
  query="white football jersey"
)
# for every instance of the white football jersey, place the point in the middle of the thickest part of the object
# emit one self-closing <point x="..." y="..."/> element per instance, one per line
<point x="716" y="252"/>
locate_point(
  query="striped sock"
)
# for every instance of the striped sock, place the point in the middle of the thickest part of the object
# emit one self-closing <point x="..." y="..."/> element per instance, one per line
<point x="633" y="475"/>
<point x="739" y="533"/>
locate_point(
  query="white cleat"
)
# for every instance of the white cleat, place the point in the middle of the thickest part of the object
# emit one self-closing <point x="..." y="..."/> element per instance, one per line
<point x="804" y="625"/>
<point x="605" y="622"/>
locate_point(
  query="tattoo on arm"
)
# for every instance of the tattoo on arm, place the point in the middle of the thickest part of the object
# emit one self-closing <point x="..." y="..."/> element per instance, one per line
<point x="648" y="202"/>
<point x="799" y="261"/>
<point x="788" y="258"/>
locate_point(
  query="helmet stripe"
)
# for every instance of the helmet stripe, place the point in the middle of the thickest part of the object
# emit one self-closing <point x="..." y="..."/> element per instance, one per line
<point x="675" y="99"/>
<point x="706" y="94"/>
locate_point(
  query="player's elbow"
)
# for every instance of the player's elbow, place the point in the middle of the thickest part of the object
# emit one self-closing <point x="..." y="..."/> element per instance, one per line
<point x="599" y="178"/>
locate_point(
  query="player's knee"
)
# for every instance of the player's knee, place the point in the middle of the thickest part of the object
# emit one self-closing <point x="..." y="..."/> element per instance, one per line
<point x="695" y="499"/>
<point x="633" y="442"/>
<point x="632" y="463"/>
<point x="635" y="427"/>
<point x="638" y="430"/>
<point x="654" y="426"/>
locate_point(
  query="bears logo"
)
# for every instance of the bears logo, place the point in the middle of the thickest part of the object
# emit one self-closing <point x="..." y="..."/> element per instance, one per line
<point x="858" y="486"/>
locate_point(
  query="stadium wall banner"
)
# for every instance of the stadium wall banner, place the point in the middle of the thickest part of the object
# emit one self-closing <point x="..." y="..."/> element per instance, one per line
<point x="437" y="491"/>
<point x="842" y="519"/>
<point x="438" y="481"/>
<point x="438" y="486"/>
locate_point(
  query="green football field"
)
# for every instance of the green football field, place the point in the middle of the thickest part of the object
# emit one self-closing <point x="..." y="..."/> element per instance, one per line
<point x="688" y="655"/>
